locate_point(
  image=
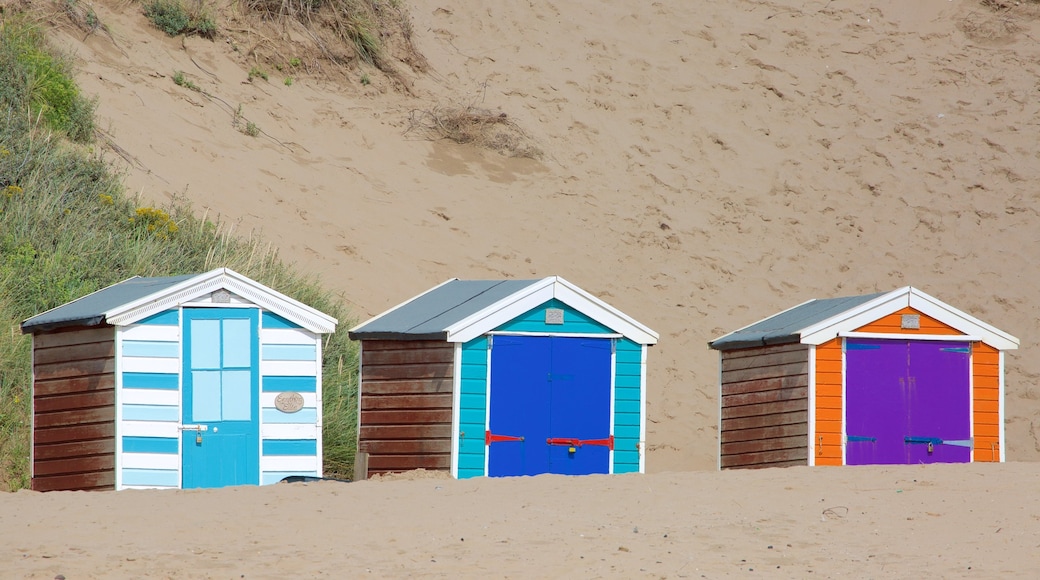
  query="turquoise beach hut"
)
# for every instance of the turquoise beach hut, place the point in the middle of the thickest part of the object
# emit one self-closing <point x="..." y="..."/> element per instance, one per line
<point x="204" y="380"/>
<point x="501" y="378"/>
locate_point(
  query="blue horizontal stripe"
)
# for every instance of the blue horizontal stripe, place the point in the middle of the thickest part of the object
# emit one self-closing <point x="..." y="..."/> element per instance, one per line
<point x="163" y="318"/>
<point x="161" y="477"/>
<point x="270" y="477"/>
<point x="151" y="413"/>
<point x="290" y="446"/>
<point x="149" y="445"/>
<point x="858" y="346"/>
<point x="298" y="384"/>
<point x="304" y="415"/>
<point x="289" y="352"/>
<point x="154" y="348"/>
<point x="167" y="381"/>
<point x="272" y="320"/>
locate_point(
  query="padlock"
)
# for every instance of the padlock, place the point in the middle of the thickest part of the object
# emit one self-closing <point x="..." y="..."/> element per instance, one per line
<point x="931" y="447"/>
<point x="198" y="437"/>
<point x="572" y="449"/>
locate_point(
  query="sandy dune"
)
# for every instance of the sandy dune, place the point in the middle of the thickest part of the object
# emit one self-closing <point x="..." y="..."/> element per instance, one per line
<point x="706" y="165"/>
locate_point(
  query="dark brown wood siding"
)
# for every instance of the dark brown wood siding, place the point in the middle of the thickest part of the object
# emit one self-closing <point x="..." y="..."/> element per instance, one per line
<point x="74" y="413"/>
<point x="765" y="406"/>
<point x="406" y="396"/>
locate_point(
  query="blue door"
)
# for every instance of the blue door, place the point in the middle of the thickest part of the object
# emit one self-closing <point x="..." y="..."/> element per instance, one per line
<point x="220" y="409"/>
<point x="550" y="406"/>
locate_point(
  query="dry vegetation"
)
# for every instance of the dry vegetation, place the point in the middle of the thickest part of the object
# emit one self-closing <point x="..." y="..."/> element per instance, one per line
<point x="472" y="125"/>
<point x="1000" y="21"/>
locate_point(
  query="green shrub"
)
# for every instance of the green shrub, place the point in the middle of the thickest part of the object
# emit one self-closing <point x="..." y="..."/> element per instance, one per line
<point x="171" y="17"/>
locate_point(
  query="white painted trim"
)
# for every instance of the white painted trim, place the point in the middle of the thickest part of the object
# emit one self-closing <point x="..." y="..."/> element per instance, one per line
<point x="613" y="399"/>
<point x="169" y="461"/>
<point x="309" y="400"/>
<point x="319" y="402"/>
<point x="718" y="434"/>
<point x="812" y="405"/>
<point x="870" y="311"/>
<point x="118" y="403"/>
<point x="844" y="406"/>
<point x="539" y="293"/>
<point x="156" y="332"/>
<point x="289" y="431"/>
<point x="559" y="334"/>
<point x="166" y="429"/>
<point x="32" y="412"/>
<point x="389" y="310"/>
<point x="306" y="463"/>
<point x="642" y="407"/>
<point x="134" y="364"/>
<point x="1000" y="408"/>
<point x="148" y="487"/>
<point x="147" y="397"/>
<point x="971" y="404"/>
<point x="227" y="279"/>
<point x="897" y="336"/>
<point x="288" y="368"/>
<point x="456" y="402"/>
<point x="487" y="402"/>
<point x="286" y="336"/>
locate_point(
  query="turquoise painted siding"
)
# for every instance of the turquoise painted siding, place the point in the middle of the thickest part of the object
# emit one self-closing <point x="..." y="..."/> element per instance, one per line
<point x="473" y="407"/>
<point x="164" y="381"/>
<point x="272" y="320"/>
<point x="627" y="389"/>
<point x="573" y="321"/>
<point x="152" y="477"/>
<point x="150" y="445"/>
<point x="274" y="384"/>
<point x="290" y="447"/>
<point x="163" y="318"/>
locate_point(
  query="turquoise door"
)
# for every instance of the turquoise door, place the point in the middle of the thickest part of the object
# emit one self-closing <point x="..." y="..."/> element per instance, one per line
<point x="221" y="408"/>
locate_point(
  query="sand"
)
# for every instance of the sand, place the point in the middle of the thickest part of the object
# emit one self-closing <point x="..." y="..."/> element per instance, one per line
<point x="705" y="165"/>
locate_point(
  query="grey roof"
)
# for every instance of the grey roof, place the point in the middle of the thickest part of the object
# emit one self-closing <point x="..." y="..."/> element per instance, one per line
<point x="429" y="315"/>
<point x="786" y="326"/>
<point x="90" y="310"/>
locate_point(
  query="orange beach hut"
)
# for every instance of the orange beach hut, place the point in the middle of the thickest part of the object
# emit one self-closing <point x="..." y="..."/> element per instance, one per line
<point x="889" y="378"/>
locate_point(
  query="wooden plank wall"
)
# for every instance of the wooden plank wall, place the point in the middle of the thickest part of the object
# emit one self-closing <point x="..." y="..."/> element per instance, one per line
<point x="765" y="406"/>
<point x="74" y="413"/>
<point x="406" y="400"/>
<point x="986" y="422"/>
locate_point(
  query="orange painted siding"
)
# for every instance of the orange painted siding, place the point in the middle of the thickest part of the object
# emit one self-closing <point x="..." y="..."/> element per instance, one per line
<point x="829" y="408"/>
<point x="986" y="401"/>
<point x="892" y="323"/>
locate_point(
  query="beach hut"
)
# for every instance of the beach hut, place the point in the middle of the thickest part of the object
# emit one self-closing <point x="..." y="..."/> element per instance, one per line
<point x="502" y="377"/>
<point x="191" y="381"/>
<point x="889" y="378"/>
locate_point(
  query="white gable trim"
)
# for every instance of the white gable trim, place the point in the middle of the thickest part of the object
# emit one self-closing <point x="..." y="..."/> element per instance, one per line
<point x="848" y="321"/>
<point x="539" y="293"/>
<point x="226" y="279"/>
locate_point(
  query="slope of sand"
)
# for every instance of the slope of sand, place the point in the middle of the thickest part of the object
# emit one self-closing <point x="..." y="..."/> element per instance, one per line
<point x="895" y="522"/>
<point x="706" y="165"/>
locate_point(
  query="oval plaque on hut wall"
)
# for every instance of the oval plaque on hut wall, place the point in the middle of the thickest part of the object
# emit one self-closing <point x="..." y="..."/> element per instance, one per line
<point x="288" y="402"/>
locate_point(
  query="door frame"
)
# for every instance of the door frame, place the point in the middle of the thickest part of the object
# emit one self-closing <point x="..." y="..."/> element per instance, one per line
<point x="613" y="337"/>
<point x="906" y="338"/>
<point x="254" y="317"/>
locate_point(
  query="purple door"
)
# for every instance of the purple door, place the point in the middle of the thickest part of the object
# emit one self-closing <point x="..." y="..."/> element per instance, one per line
<point x="907" y="402"/>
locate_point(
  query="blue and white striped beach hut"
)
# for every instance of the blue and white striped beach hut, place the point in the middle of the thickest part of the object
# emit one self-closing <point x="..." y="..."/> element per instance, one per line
<point x="191" y="381"/>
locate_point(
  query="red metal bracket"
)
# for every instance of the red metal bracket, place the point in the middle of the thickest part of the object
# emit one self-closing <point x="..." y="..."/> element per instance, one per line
<point x="490" y="438"/>
<point x="571" y="442"/>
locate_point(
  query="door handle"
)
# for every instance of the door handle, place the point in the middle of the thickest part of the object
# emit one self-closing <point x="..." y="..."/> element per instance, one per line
<point x="198" y="428"/>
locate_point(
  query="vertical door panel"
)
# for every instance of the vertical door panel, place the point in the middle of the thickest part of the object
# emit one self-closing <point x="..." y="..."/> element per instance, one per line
<point x="519" y="409"/>
<point x="580" y="386"/>
<point x="939" y="404"/>
<point x="876" y="392"/>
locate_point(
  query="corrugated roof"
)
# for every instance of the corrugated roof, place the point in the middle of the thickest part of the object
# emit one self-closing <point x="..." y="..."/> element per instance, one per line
<point x="90" y="310"/>
<point x="428" y="316"/>
<point x="786" y="326"/>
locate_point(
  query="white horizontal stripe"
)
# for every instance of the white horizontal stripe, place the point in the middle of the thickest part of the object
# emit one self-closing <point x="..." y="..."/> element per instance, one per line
<point x="910" y="336"/>
<point x="561" y="334"/>
<point x="151" y="461"/>
<point x="288" y="368"/>
<point x="286" y="336"/>
<point x="289" y="463"/>
<point x="309" y="399"/>
<point x="147" y="487"/>
<point x="150" y="397"/>
<point x="150" y="365"/>
<point x="289" y="431"/>
<point x="150" y="429"/>
<point x="151" y="332"/>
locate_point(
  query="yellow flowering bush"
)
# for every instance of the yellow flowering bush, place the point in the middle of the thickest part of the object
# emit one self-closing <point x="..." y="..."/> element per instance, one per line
<point x="155" y="221"/>
<point x="11" y="191"/>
